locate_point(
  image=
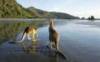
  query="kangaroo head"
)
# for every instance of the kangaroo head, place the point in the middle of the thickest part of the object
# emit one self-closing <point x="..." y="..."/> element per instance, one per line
<point x="51" y="22"/>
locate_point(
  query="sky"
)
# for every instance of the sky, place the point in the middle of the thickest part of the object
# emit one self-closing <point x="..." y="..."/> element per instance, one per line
<point x="81" y="8"/>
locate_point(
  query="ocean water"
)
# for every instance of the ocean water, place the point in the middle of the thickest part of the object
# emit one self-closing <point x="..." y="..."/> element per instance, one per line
<point x="79" y="42"/>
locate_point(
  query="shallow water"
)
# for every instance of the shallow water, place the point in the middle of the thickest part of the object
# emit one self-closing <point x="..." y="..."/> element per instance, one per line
<point x="79" y="42"/>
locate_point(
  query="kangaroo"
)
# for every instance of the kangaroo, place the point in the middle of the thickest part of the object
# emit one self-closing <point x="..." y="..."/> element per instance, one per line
<point x="53" y="36"/>
<point x="30" y="32"/>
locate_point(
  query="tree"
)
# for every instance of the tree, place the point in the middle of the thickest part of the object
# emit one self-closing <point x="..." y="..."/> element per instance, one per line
<point x="91" y="18"/>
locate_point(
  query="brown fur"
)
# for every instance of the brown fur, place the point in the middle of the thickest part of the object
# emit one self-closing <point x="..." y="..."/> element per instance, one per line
<point x="31" y="31"/>
<point x="28" y="29"/>
<point x="53" y="35"/>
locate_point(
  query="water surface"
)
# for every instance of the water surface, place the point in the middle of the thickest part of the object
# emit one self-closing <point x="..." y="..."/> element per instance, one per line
<point x="79" y="42"/>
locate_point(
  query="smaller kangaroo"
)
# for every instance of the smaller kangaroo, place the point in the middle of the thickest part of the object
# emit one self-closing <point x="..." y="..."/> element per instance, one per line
<point x="30" y="32"/>
<point x="53" y="36"/>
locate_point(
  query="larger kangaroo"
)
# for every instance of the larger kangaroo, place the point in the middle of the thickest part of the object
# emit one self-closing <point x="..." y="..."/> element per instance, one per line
<point x="53" y="36"/>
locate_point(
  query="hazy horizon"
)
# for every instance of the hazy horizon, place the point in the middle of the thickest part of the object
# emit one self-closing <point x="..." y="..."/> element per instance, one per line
<point x="81" y="8"/>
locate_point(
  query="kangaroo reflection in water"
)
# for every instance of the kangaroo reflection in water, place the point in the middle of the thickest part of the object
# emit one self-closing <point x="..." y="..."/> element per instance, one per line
<point x="46" y="53"/>
<point x="29" y="47"/>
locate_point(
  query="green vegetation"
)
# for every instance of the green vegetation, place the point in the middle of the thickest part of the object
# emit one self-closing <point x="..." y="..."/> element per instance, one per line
<point x="11" y="9"/>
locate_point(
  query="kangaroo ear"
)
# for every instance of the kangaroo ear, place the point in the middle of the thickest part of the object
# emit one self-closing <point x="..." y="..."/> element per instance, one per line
<point x="50" y="20"/>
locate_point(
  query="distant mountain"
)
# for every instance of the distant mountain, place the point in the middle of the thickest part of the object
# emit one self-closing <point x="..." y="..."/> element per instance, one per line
<point x="38" y="12"/>
<point x="59" y="15"/>
<point x="11" y="9"/>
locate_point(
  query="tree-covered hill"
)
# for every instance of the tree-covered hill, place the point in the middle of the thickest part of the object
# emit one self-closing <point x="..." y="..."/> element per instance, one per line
<point x="11" y="9"/>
